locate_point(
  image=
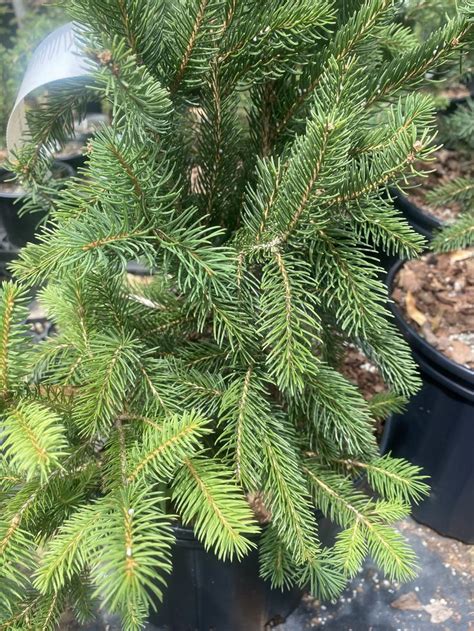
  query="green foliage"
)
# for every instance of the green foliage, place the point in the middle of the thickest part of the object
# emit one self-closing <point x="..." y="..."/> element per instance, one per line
<point x="247" y="165"/>
<point x="458" y="131"/>
<point x="206" y="498"/>
<point x="364" y="523"/>
<point x="458" y="236"/>
<point x="135" y="553"/>
<point x="13" y="345"/>
<point x="34" y="439"/>
<point x="288" y="321"/>
<point x="164" y="447"/>
<point x="108" y="374"/>
<point x="421" y="18"/>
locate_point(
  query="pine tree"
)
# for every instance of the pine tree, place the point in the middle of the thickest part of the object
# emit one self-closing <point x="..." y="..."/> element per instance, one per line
<point x="247" y="165"/>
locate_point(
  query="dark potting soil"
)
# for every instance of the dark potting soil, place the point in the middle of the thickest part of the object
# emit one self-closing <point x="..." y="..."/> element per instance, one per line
<point x="361" y="372"/>
<point x="436" y="294"/>
<point x="448" y="165"/>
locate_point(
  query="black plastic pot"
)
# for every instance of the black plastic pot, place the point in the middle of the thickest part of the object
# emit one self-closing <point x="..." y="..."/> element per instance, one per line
<point x="436" y="432"/>
<point x="205" y="594"/>
<point x="419" y="220"/>
<point x="21" y="228"/>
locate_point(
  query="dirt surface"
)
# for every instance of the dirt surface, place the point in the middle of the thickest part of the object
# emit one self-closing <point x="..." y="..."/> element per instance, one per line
<point x="448" y="164"/>
<point x="440" y="598"/>
<point x="436" y="294"/>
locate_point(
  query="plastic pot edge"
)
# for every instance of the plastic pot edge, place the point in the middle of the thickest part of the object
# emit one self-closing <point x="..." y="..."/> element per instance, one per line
<point x="423" y="222"/>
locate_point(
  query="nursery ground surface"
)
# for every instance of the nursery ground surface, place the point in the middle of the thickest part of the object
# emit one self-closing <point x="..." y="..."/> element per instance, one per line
<point x="440" y="598"/>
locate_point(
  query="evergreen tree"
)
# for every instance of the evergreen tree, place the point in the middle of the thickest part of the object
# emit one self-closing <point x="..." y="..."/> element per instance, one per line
<point x="247" y="166"/>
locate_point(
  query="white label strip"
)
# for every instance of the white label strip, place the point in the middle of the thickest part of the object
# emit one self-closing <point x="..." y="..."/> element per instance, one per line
<point x="57" y="57"/>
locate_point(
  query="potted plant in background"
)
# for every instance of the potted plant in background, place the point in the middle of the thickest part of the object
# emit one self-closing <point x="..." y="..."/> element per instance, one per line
<point x="243" y="167"/>
<point x="23" y="36"/>
<point x="434" y="308"/>
<point x="20" y="220"/>
<point x="21" y="212"/>
<point x="440" y="196"/>
<point x="15" y="52"/>
<point x="450" y="86"/>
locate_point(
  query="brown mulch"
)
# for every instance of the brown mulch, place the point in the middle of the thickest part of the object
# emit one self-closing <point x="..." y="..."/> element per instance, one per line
<point x="366" y="376"/>
<point x="436" y="294"/>
<point x="448" y="164"/>
<point x="361" y="372"/>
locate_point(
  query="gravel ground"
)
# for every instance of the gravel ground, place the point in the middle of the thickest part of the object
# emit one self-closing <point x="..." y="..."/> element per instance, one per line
<point x="439" y="599"/>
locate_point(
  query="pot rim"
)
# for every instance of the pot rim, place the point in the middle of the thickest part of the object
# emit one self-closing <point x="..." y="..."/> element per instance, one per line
<point x="429" y="352"/>
<point x="186" y="533"/>
<point x="428" y="222"/>
<point x="5" y="173"/>
<point x="61" y="164"/>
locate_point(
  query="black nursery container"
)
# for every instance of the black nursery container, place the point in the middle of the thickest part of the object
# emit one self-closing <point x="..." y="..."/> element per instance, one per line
<point x="436" y="432"/>
<point x="20" y="229"/>
<point x="419" y="220"/>
<point x="205" y="594"/>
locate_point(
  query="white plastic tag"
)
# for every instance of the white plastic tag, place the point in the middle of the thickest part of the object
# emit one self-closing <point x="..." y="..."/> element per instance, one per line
<point x="57" y="57"/>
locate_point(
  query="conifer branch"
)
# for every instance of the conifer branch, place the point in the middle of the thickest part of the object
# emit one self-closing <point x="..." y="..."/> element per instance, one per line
<point x="160" y="453"/>
<point x="190" y="45"/>
<point x="223" y="519"/>
<point x="257" y="196"/>
<point x="386" y="544"/>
